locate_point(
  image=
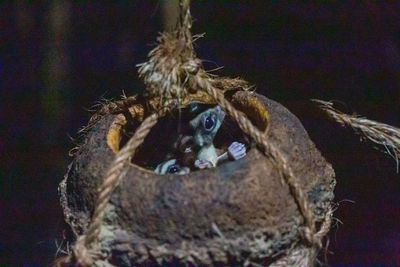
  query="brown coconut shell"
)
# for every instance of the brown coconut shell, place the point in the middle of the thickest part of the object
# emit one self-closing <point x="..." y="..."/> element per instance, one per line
<point x="238" y="212"/>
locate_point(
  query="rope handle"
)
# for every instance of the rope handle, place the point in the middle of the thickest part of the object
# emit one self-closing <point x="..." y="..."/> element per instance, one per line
<point x="162" y="81"/>
<point x="86" y="249"/>
<point x="270" y="150"/>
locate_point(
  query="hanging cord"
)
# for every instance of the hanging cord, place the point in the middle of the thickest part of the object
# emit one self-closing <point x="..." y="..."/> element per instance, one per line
<point x="116" y="172"/>
<point x="203" y="82"/>
<point x="86" y="249"/>
<point x="269" y="149"/>
<point x="170" y="73"/>
<point x="379" y="133"/>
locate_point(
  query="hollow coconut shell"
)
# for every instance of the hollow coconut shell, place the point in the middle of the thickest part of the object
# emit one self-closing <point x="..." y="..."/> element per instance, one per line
<point x="236" y="213"/>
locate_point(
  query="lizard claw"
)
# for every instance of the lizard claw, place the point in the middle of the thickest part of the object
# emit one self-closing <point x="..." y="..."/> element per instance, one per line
<point x="202" y="164"/>
<point x="236" y="151"/>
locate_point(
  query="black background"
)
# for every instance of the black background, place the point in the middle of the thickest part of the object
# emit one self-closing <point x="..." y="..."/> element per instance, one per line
<point x="347" y="52"/>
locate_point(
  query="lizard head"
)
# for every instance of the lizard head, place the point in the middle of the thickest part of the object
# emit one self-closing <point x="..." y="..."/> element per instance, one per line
<point x="206" y="125"/>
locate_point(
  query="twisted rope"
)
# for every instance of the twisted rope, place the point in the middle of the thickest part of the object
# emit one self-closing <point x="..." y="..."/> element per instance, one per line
<point x="164" y="79"/>
<point x="84" y="251"/>
<point x="326" y="225"/>
<point x="305" y="257"/>
<point x="185" y="22"/>
<point x="269" y="149"/>
<point x="299" y="257"/>
<point x="379" y="133"/>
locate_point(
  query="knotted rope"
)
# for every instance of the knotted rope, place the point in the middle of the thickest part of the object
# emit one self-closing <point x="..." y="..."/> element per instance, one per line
<point x="172" y="71"/>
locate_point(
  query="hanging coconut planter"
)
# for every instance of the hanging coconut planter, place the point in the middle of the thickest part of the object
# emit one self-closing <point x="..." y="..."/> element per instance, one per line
<point x="271" y="207"/>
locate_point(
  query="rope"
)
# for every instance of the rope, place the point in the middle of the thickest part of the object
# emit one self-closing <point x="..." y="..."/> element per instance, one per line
<point x="269" y="149"/>
<point x="326" y="225"/>
<point x="84" y="250"/>
<point x="305" y="256"/>
<point x="299" y="257"/>
<point x="162" y="81"/>
<point x="185" y="21"/>
<point x="379" y="133"/>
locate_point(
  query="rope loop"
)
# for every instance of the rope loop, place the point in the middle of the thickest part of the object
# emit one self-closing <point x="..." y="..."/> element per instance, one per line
<point x="171" y="72"/>
<point x="85" y="250"/>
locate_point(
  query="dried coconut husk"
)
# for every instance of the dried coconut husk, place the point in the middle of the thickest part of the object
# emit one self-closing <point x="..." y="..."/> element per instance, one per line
<point x="240" y="212"/>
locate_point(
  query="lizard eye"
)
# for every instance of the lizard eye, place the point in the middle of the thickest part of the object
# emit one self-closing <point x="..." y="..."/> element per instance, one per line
<point x="209" y="123"/>
<point x="173" y="169"/>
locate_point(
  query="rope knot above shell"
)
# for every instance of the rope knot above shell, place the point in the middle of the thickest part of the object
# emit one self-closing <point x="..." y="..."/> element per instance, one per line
<point x="170" y="64"/>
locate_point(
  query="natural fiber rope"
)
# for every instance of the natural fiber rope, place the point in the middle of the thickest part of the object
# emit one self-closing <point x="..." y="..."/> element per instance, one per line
<point x="299" y="257"/>
<point x="269" y="149"/>
<point x="86" y="249"/>
<point x="81" y="250"/>
<point x="186" y="21"/>
<point x="304" y="256"/>
<point x="379" y="133"/>
<point x="326" y="225"/>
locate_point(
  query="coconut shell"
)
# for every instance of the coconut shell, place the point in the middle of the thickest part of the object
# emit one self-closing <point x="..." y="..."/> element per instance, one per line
<point x="236" y="213"/>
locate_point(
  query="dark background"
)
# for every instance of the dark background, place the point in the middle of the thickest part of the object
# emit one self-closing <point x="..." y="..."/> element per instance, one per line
<point x="57" y="59"/>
